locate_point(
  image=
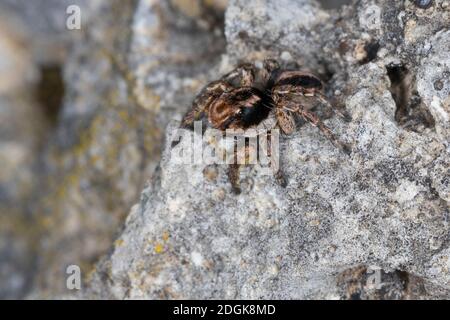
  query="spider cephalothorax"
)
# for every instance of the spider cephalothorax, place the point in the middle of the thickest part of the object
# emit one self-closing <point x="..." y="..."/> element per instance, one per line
<point x="248" y="96"/>
<point x="239" y="108"/>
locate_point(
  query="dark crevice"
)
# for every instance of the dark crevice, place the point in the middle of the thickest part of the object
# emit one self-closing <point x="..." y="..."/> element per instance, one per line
<point x="327" y="73"/>
<point x="371" y="50"/>
<point x="210" y="18"/>
<point x="423" y="4"/>
<point x="50" y="93"/>
<point x="410" y="113"/>
<point x="363" y="283"/>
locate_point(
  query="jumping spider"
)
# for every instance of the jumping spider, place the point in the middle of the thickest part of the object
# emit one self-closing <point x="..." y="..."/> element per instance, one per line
<point x="249" y="96"/>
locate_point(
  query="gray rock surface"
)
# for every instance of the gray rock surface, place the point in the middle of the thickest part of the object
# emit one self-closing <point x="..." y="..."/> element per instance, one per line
<point x="385" y="206"/>
<point x="75" y="166"/>
<point x="108" y="140"/>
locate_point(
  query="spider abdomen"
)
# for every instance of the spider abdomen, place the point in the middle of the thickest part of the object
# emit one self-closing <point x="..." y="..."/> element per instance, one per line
<point x="253" y="114"/>
<point x="258" y="100"/>
<point x="241" y="108"/>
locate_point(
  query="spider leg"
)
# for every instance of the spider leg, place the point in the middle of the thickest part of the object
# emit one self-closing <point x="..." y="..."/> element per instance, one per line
<point x="241" y="156"/>
<point x="322" y="98"/>
<point x="315" y="93"/>
<point x="202" y="101"/>
<point x="188" y="120"/>
<point x="200" y="108"/>
<point x="285" y="120"/>
<point x="195" y="114"/>
<point x="315" y="121"/>
<point x="280" y="178"/>
<point x="244" y="75"/>
<point x="234" y="171"/>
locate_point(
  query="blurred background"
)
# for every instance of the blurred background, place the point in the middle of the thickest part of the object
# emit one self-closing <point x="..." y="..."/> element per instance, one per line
<point x="82" y="116"/>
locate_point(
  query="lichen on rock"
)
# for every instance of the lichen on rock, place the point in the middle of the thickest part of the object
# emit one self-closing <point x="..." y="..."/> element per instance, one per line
<point x="385" y="206"/>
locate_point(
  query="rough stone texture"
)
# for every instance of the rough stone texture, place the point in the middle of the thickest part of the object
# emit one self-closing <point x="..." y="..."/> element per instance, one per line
<point x="35" y="45"/>
<point x="132" y="67"/>
<point x="43" y="23"/>
<point x="386" y="205"/>
<point x="101" y="142"/>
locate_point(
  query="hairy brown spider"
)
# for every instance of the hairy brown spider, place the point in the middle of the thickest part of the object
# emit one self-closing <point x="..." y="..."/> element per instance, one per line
<point x="249" y="96"/>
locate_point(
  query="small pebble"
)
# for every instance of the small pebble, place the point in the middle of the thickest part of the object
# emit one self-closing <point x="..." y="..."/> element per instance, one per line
<point x="247" y="184"/>
<point x="219" y="194"/>
<point x="423" y="4"/>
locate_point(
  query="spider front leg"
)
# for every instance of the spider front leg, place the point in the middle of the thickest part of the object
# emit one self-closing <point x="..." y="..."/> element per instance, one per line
<point x="242" y="76"/>
<point x="323" y="99"/>
<point x="201" y="103"/>
<point x="312" y="118"/>
<point x="278" y="174"/>
<point x="234" y="170"/>
<point x="243" y="154"/>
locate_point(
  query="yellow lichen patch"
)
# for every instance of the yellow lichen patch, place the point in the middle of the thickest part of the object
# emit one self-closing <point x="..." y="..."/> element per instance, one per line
<point x="119" y="242"/>
<point x="159" y="248"/>
<point x="95" y="159"/>
<point x="47" y="222"/>
<point x="190" y="8"/>
<point x="360" y="52"/>
<point x="217" y="4"/>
